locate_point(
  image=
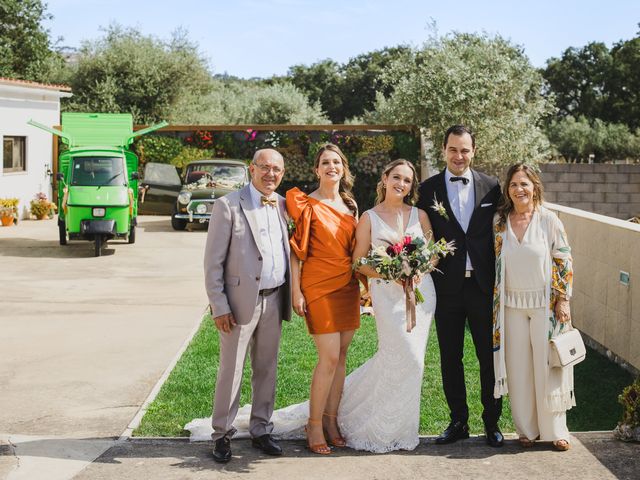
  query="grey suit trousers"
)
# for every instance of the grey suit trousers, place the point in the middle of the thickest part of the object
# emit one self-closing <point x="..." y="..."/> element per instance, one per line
<point x="261" y="338"/>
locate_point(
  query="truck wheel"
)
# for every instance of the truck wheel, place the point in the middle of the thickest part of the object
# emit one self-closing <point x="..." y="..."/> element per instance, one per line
<point x="62" y="230"/>
<point x="132" y="234"/>
<point x="98" y="245"/>
<point x="178" y="223"/>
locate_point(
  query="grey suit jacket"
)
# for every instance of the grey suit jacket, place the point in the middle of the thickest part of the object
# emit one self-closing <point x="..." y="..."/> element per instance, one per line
<point x="232" y="258"/>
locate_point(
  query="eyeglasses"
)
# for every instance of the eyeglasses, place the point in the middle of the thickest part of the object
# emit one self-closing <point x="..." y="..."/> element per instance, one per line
<point x="264" y="169"/>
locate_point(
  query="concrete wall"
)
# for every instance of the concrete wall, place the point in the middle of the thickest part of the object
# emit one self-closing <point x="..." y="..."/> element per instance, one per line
<point x="607" y="189"/>
<point x="602" y="307"/>
<point x="17" y="106"/>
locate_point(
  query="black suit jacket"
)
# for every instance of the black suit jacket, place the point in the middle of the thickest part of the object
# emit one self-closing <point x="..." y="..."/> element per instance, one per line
<point x="477" y="241"/>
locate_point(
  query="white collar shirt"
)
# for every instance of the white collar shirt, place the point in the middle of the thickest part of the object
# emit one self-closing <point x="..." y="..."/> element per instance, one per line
<point x="271" y="241"/>
<point x="462" y="200"/>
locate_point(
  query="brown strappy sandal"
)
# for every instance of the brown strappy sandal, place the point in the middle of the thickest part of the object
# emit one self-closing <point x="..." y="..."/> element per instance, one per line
<point x="562" y="445"/>
<point x="525" y="442"/>
<point x="319" y="448"/>
<point x="338" y="441"/>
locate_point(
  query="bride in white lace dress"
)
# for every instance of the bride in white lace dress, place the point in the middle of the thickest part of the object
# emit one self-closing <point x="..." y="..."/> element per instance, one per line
<point x="380" y="407"/>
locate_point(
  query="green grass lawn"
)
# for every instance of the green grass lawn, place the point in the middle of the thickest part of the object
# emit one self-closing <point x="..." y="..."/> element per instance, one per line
<point x="187" y="393"/>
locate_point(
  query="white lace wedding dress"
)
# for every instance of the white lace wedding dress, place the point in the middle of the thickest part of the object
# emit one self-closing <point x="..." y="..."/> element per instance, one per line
<point x="380" y="407"/>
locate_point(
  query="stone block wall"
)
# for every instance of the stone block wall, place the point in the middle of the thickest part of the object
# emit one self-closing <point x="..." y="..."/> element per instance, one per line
<point x="607" y="189"/>
<point x="604" y="308"/>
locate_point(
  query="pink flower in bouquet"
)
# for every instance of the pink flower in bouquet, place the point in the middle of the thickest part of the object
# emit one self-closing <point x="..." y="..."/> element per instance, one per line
<point x="406" y="246"/>
<point x="395" y="249"/>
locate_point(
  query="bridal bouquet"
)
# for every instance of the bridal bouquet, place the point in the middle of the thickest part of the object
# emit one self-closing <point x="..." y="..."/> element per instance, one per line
<point x="404" y="260"/>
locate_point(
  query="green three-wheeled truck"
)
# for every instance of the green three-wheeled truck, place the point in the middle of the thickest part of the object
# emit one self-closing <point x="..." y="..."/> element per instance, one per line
<point x="97" y="177"/>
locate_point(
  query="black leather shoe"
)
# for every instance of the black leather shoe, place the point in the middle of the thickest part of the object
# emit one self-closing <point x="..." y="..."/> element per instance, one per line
<point x="267" y="444"/>
<point x="494" y="436"/>
<point x="455" y="431"/>
<point x="222" y="450"/>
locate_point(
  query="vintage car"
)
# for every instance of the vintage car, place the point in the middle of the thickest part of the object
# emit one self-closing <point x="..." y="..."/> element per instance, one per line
<point x="189" y="198"/>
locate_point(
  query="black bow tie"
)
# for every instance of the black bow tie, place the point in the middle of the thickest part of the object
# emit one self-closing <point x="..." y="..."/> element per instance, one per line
<point x="464" y="180"/>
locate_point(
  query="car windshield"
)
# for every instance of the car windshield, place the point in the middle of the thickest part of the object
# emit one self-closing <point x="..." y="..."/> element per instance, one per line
<point x="231" y="174"/>
<point x="98" y="171"/>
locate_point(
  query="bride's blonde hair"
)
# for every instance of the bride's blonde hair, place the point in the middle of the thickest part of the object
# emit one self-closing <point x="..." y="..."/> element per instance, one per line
<point x="381" y="191"/>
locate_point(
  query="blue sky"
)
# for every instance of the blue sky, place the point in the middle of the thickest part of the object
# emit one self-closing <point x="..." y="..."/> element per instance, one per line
<point x="250" y="38"/>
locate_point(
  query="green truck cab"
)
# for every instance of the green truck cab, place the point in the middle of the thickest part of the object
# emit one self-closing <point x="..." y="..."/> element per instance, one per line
<point x="97" y="177"/>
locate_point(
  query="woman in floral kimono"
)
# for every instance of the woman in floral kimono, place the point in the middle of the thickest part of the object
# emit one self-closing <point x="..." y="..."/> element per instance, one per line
<point x="531" y="305"/>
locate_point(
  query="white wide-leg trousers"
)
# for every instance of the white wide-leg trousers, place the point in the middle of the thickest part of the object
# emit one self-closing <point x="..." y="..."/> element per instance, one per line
<point x="526" y="354"/>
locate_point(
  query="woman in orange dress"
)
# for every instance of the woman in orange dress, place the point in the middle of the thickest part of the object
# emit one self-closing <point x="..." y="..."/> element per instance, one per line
<point x="324" y="288"/>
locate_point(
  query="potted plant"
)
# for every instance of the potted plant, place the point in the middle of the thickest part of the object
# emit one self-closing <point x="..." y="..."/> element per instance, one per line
<point x="628" y="429"/>
<point x="8" y="211"/>
<point x="41" y="207"/>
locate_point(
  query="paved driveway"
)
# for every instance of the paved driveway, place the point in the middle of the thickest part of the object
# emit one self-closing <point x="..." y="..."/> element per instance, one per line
<point x="84" y="339"/>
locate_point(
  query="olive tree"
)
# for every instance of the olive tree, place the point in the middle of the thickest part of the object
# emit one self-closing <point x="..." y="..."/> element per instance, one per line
<point x="579" y="140"/>
<point x="484" y="82"/>
<point x="243" y="102"/>
<point x="26" y="51"/>
<point x="126" y="71"/>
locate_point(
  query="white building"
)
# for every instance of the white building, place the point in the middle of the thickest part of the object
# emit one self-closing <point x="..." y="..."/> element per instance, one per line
<point x="25" y="158"/>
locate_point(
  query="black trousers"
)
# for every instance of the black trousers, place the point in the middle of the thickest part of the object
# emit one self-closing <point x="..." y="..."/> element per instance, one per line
<point x="452" y="312"/>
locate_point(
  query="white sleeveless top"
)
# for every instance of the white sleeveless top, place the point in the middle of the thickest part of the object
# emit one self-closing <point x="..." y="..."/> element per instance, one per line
<point x="524" y="264"/>
<point x="385" y="234"/>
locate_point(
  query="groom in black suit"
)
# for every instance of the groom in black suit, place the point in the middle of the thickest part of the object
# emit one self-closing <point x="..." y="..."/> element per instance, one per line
<point x="461" y="203"/>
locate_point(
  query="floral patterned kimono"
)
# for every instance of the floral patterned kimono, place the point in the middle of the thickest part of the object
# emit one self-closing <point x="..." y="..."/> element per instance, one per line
<point x="558" y="265"/>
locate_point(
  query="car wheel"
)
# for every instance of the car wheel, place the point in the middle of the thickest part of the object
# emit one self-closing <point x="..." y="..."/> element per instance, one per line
<point x="62" y="231"/>
<point x="132" y="234"/>
<point x="178" y="223"/>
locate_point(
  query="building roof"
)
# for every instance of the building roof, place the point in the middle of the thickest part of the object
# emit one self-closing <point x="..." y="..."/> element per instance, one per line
<point x="31" y="84"/>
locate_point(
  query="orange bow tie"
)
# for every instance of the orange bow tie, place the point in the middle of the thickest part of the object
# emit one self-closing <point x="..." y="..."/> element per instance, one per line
<point x="266" y="201"/>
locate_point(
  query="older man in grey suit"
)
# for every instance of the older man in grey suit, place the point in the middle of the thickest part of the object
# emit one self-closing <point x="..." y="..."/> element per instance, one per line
<point x="247" y="279"/>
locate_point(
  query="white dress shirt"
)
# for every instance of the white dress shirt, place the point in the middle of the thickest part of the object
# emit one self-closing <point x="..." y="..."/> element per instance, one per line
<point x="271" y="241"/>
<point x="462" y="200"/>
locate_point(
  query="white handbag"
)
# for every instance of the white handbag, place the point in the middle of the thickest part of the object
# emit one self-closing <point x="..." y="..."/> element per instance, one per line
<point x="566" y="349"/>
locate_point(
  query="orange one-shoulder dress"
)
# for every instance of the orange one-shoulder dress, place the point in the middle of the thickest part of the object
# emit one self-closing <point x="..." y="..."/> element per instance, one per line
<point x="324" y="239"/>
